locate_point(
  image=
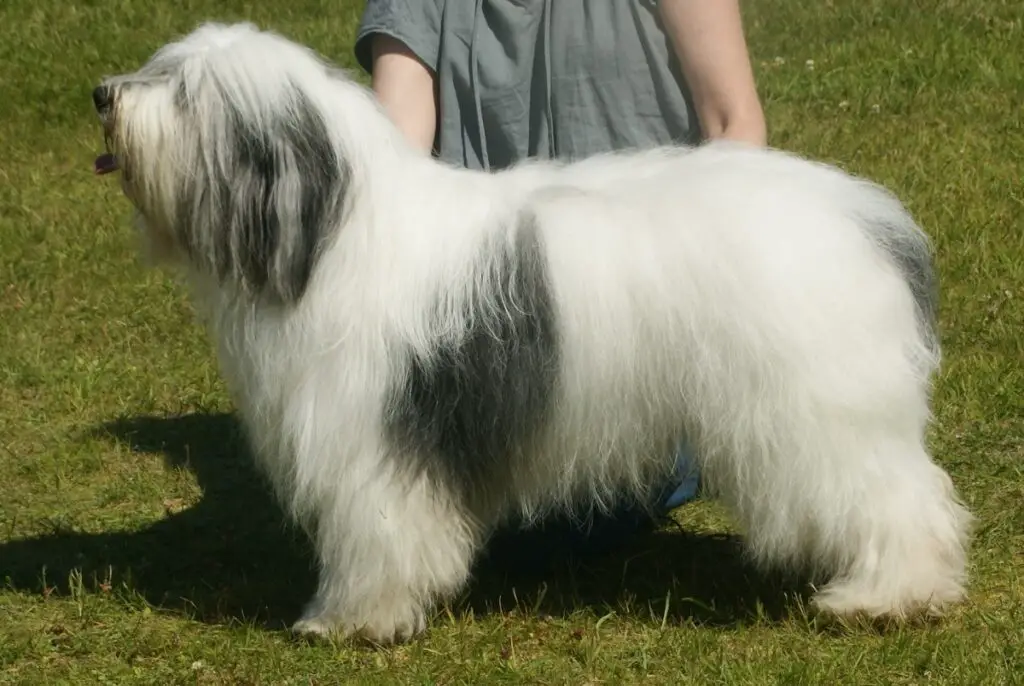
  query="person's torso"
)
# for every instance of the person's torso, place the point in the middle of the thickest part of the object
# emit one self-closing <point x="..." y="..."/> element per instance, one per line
<point x="556" y="78"/>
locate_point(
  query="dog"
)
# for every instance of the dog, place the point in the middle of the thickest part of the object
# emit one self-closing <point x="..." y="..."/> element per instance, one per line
<point x="420" y="353"/>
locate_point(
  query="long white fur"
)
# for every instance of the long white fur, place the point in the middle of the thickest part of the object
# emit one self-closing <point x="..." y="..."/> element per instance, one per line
<point x="738" y="294"/>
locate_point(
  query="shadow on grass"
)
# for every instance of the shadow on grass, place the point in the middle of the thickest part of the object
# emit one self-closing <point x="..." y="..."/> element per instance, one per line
<point x="232" y="557"/>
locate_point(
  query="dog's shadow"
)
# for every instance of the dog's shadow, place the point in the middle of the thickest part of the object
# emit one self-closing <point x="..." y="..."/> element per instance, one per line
<point x="232" y="557"/>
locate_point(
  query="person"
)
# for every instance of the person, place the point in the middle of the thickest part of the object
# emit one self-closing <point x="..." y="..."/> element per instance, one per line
<point x="485" y="84"/>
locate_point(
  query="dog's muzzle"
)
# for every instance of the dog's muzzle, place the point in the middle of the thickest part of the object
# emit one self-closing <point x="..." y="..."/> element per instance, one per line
<point x="103" y="99"/>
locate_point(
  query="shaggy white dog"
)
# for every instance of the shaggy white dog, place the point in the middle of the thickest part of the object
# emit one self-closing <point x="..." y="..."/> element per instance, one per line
<point x="420" y="352"/>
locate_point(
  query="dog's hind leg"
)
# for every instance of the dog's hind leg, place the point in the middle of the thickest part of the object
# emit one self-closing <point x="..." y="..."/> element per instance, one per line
<point x="828" y="472"/>
<point x="901" y="552"/>
<point x="875" y="517"/>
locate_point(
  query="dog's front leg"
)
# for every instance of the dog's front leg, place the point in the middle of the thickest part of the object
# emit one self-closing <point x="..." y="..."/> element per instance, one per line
<point x="390" y="545"/>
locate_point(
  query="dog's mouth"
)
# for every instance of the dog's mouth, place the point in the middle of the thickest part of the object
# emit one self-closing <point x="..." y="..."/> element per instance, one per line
<point x="105" y="163"/>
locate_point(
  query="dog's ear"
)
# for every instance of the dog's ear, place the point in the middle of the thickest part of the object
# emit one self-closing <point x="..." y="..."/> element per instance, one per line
<point x="276" y="189"/>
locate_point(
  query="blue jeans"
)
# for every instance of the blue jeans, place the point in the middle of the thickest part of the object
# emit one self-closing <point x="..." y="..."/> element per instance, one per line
<point x="688" y="481"/>
<point x="602" y="533"/>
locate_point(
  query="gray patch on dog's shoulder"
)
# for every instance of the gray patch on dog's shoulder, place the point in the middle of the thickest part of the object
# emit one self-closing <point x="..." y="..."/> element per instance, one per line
<point x="465" y="411"/>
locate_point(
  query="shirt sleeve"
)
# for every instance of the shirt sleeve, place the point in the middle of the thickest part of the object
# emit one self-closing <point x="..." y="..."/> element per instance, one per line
<point x="416" y="23"/>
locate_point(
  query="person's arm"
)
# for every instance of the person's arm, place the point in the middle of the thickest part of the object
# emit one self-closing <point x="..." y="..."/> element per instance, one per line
<point x="406" y="88"/>
<point x="708" y="39"/>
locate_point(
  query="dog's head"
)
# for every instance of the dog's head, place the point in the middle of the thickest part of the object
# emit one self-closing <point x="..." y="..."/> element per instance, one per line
<point x="225" y="149"/>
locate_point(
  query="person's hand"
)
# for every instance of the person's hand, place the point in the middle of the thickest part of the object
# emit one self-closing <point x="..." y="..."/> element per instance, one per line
<point x="406" y="88"/>
<point x="708" y="39"/>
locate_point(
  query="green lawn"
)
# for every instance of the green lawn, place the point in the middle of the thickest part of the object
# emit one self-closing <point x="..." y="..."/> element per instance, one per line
<point x="136" y="546"/>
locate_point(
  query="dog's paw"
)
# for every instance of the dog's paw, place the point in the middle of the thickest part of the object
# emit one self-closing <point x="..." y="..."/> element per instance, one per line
<point x="887" y="605"/>
<point x="314" y="627"/>
<point x="388" y="628"/>
<point x="388" y="624"/>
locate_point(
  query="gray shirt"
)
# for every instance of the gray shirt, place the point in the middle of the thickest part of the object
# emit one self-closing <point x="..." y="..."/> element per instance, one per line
<point x="541" y="78"/>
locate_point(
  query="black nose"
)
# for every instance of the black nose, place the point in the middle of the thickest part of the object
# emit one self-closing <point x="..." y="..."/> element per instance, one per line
<point x="101" y="96"/>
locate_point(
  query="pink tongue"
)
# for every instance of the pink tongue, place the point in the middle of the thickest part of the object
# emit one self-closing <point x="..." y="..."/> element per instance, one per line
<point x="105" y="164"/>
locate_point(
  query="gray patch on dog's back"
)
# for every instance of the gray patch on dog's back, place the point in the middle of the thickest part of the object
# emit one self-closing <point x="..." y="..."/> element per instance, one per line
<point x="467" y="408"/>
<point x="907" y="246"/>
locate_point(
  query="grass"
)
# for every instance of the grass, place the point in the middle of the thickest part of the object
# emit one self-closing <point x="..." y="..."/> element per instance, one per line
<point x="136" y="546"/>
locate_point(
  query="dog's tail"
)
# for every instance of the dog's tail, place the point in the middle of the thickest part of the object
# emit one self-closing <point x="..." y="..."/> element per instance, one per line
<point x="888" y="223"/>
